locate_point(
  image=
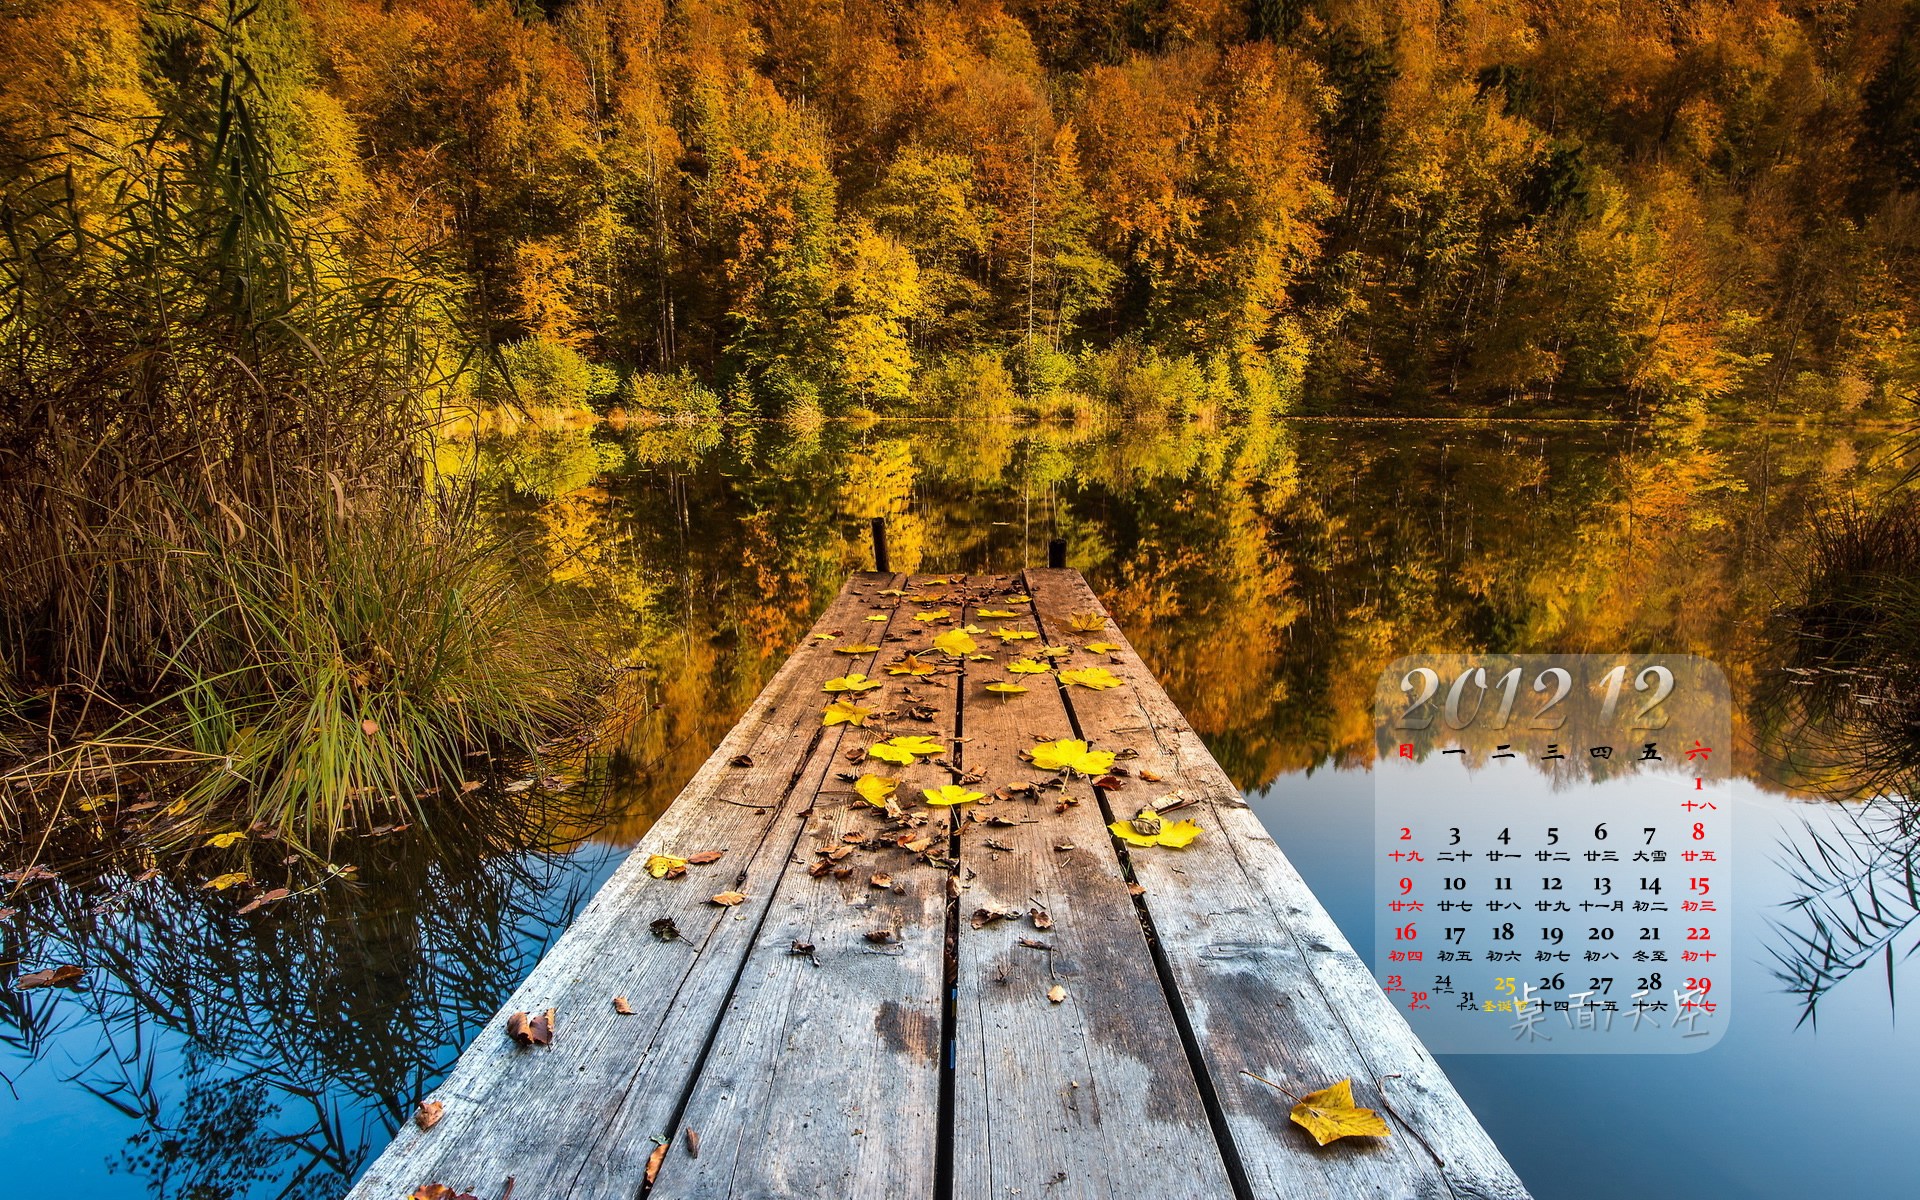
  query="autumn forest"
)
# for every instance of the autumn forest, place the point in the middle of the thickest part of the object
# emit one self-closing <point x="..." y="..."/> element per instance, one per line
<point x="808" y="207"/>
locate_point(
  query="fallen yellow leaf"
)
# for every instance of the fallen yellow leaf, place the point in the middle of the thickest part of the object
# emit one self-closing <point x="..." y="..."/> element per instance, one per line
<point x="951" y="793"/>
<point x="1005" y="689"/>
<point x="825" y="637"/>
<point x="1148" y="829"/>
<point x="877" y="617"/>
<point x="1070" y="754"/>
<point x="861" y="648"/>
<point x="1054" y="651"/>
<point x="932" y="614"/>
<point x="1098" y="678"/>
<point x="223" y="840"/>
<point x="1086" y="622"/>
<point x="1027" y="666"/>
<point x="911" y="665"/>
<point x="1330" y="1114"/>
<point x="1014" y="635"/>
<point x="955" y="643"/>
<point x="853" y="682"/>
<point x="875" y="789"/>
<point x="903" y="749"/>
<point x="728" y="899"/>
<point x="221" y="883"/>
<point x="660" y="866"/>
<point x="844" y="712"/>
<point x="973" y="629"/>
<point x="991" y="613"/>
<point x="1103" y="647"/>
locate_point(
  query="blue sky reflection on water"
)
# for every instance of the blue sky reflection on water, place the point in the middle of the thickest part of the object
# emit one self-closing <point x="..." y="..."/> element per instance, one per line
<point x="1770" y="1112"/>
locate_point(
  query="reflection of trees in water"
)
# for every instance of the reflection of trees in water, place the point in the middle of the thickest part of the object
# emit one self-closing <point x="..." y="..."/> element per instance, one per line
<point x="1840" y="715"/>
<point x="269" y="1054"/>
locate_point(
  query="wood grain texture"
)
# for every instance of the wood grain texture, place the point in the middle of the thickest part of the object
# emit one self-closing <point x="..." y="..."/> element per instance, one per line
<point x="536" y="1113"/>
<point x="824" y="1077"/>
<point x="1265" y="978"/>
<point x="1092" y="1097"/>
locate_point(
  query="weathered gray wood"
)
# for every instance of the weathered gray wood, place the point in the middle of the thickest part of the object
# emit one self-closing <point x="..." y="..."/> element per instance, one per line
<point x="535" y="1113"/>
<point x="1267" y="982"/>
<point x="824" y="1077"/>
<point x="1092" y="1097"/>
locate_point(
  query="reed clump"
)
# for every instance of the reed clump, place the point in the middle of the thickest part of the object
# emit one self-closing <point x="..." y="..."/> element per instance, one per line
<point x="224" y="563"/>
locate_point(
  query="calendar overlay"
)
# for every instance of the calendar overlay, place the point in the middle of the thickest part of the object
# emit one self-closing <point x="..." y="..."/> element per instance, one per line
<point x="1553" y="852"/>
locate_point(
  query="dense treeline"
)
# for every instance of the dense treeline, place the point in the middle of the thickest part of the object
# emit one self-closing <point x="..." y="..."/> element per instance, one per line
<point x="795" y="205"/>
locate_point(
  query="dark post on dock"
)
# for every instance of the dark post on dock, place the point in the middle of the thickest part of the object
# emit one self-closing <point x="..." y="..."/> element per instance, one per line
<point x="886" y="945"/>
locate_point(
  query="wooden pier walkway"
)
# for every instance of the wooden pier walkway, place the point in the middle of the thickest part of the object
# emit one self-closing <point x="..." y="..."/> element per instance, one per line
<point x="996" y="998"/>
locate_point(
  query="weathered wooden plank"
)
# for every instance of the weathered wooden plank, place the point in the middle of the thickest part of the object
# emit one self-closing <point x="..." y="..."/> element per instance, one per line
<point x="535" y="1113"/>
<point x="1092" y="1097"/>
<point x="824" y="1076"/>
<point x="1266" y="980"/>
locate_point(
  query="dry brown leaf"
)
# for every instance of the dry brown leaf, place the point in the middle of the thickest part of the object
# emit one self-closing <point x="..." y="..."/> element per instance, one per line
<point x="621" y="1006"/>
<point x="704" y="857"/>
<point x="439" y="1191"/>
<point x="654" y="1160"/>
<point x="267" y="897"/>
<point x="369" y="727"/>
<point x="1056" y="993"/>
<point x="881" y="880"/>
<point x="537" y="1031"/>
<point x="62" y="976"/>
<point x="693" y="1142"/>
<point x="1042" y="919"/>
<point x="428" y="1114"/>
<point x="728" y="899"/>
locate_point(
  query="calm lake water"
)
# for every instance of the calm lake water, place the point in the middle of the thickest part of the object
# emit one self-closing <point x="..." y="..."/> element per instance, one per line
<point x="1267" y="576"/>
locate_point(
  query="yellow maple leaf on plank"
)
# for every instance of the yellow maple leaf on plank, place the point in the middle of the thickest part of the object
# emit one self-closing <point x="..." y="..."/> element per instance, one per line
<point x="903" y="749"/>
<point x="951" y="793"/>
<point x="1027" y="666"/>
<point x="1086" y="622"/>
<point x="845" y="712"/>
<point x="991" y="613"/>
<point x="875" y="789"/>
<point x="1149" y="829"/>
<point x="1014" y="635"/>
<point x="851" y="682"/>
<point x="1070" y="754"/>
<point x="1000" y="688"/>
<point x="1330" y="1114"/>
<point x="956" y="643"/>
<point x="861" y="648"/>
<point x="934" y="615"/>
<point x="663" y="866"/>
<point x="1103" y="647"/>
<point x="911" y="665"/>
<point x="1098" y="678"/>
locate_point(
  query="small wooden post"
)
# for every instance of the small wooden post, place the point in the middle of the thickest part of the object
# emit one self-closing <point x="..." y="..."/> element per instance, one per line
<point x="880" y="561"/>
<point x="1057" y="552"/>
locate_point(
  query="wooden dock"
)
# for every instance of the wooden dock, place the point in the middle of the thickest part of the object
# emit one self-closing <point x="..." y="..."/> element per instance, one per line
<point x="993" y="999"/>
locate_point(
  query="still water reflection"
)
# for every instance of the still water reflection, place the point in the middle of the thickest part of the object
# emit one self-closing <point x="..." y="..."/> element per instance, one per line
<point x="1267" y="575"/>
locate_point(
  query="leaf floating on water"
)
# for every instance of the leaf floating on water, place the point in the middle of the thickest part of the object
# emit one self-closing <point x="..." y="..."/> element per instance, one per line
<point x="729" y="899"/>
<point x="1103" y="647"/>
<point x="537" y="1031"/>
<point x="666" y="866"/>
<point x="65" y="975"/>
<point x="949" y="794"/>
<point x="875" y="789"/>
<point x="1028" y="666"/>
<point x="1330" y="1114"/>
<point x="264" y="898"/>
<point x="428" y="1114"/>
<point x="221" y="883"/>
<point x="912" y="664"/>
<point x="845" y="712"/>
<point x="704" y="857"/>
<point x="1098" y="678"/>
<point x="955" y="643"/>
<point x="1056" y="993"/>
<point x="1070" y="754"/>
<point x="853" y="681"/>
<point x="223" y="840"/>
<point x="621" y="1006"/>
